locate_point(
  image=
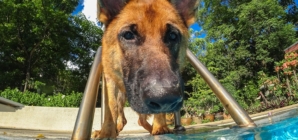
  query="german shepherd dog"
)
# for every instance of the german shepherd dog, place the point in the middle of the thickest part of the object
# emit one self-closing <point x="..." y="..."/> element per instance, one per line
<point x="143" y="52"/>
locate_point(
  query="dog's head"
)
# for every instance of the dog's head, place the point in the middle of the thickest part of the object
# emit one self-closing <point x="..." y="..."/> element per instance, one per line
<point x="147" y="41"/>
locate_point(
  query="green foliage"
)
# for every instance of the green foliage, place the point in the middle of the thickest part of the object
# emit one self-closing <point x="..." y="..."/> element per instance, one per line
<point x="247" y="37"/>
<point x="205" y="120"/>
<point x="202" y="99"/>
<point x="126" y="104"/>
<point x="243" y="38"/>
<point x="37" y="40"/>
<point x="28" y="98"/>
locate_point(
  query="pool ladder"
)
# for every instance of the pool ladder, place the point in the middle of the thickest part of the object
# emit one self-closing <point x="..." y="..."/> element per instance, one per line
<point x="83" y="125"/>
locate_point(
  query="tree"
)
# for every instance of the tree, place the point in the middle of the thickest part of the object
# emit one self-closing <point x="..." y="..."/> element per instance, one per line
<point x="84" y="47"/>
<point x="291" y="9"/>
<point x="242" y="39"/>
<point x="39" y="37"/>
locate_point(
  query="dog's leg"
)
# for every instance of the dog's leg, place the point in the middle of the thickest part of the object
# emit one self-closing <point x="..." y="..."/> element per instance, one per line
<point x="109" y="129"/>
<point x="143" y="122"/>
<point x="121" y="121"/>
<point x="160" y="125"/>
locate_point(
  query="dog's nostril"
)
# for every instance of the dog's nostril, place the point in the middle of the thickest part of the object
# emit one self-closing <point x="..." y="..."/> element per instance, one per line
<point x="162" y="96"/>
<point x="154" y="105"/>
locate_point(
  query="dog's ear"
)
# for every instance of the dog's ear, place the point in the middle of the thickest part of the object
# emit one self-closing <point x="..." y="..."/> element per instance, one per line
<point x="108" y="9"/>
<point x="187" y="10"/>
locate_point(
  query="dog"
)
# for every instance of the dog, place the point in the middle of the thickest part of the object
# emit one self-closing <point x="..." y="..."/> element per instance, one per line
<point x="143" y="54"/>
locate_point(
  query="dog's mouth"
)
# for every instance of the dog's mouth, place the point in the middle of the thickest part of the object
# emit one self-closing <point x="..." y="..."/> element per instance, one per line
<point x="155" y="97"/>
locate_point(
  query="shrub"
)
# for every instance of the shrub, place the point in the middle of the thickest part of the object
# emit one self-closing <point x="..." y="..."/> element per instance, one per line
<point x="35" y="99"/>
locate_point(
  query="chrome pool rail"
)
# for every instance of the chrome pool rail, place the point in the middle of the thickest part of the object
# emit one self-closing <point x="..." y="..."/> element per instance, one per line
<point x="84" y="121"/>
<point x="235" y="110"/>
<point x="83" y="126"/>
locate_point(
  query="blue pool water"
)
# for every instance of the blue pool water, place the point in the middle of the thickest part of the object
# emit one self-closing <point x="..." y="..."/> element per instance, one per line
<point x="271" y="128"/>
<point x="283" y="130"/>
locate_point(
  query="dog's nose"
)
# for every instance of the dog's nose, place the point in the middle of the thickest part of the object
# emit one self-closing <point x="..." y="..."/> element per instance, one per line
<point x="163" y="96"/>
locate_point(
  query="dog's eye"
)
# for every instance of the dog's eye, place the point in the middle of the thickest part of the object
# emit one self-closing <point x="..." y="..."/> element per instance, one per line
<point x="128" y="35"/>
<point x="173" y="36"/>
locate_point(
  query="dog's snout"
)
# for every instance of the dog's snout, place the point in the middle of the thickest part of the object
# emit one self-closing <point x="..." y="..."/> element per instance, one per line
<point x="163" y="96"/>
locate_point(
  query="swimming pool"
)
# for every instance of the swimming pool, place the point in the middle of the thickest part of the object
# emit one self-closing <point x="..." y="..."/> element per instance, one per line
<point x="274" y="127"/>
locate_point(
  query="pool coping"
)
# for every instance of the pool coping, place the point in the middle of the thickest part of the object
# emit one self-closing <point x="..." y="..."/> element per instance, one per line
<point x="50" y="134"/>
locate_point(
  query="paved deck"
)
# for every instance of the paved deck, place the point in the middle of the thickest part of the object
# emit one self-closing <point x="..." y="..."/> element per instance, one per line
<point x="21" y="134"/>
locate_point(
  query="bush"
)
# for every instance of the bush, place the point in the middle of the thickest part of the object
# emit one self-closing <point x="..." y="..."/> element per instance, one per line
<point x="35" y="99"/>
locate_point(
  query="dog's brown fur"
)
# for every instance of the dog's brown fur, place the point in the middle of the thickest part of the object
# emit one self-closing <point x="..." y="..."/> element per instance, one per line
<point x="151" y="19"/>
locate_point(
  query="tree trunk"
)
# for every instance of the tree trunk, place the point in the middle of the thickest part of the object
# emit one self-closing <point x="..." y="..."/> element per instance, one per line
<point x="278" y="77"/>
<point x="264" y="98"/>
<point x="288" y="84"/>
<point x="295" y="77"/>
<point x="27" y="79"/>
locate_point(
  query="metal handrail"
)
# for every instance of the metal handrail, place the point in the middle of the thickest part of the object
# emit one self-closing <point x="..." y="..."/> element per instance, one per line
<point x="235" y="110"/>
<point x="83" y="125"/>
<point x="84" y="121"/>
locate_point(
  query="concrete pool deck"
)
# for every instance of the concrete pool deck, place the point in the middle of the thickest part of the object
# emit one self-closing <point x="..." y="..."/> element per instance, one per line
<point x="17" y="133"/>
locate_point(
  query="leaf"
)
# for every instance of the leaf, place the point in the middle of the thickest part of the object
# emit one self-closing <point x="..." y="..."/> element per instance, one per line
<point x="40" y="136"/>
